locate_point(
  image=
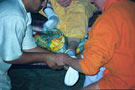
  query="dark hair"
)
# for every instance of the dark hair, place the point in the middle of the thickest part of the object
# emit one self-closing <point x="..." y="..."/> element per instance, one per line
<point x="132" y="0"/>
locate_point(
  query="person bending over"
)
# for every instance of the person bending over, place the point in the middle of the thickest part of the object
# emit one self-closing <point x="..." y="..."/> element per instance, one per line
<point x="111" y="45"/>
<point x="17" y="45"/>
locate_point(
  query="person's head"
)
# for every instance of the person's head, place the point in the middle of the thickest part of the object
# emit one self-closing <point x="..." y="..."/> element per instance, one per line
<point x="33" y="5"/>
<point x="98" y="3"/>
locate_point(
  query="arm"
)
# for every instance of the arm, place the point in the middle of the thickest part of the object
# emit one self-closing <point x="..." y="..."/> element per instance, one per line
<point x="74" y="63"/>
<point x="36" y="55"/>
<point x="99" y="49"/>
<point x="36" y="49"/>
<point x="13" y="43"/>
<point x="63" y="59"/>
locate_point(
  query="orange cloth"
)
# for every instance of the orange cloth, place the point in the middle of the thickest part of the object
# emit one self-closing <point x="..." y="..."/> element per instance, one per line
<point x="112" y="45"/>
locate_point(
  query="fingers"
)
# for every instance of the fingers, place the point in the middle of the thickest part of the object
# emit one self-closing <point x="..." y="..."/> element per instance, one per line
<point x="60" y="67"/>
<point x="44" y="3"/>
<point x="55" y="67"/>
<point x="64" y="3"/>
<point x="58" y="62"/>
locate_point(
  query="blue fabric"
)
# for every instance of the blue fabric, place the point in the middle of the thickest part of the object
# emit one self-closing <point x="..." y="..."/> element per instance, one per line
<point x="93" y="78"/>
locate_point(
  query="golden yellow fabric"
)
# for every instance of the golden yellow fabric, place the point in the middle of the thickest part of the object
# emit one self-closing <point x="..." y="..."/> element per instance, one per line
<point x="74" y="18"/>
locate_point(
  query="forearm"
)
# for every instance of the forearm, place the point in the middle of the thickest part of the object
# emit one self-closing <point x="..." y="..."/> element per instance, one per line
<point x="30" y="57"/>
<point x="74" y="63"/>
<point x="37" y="49"/>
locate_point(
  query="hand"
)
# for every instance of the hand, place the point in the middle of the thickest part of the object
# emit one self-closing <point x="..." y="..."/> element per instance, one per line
<point x="60" y="58"/>
<point x="64" y="3"/>
<point x="51" y="61"/>
<point x="44" y="3"/>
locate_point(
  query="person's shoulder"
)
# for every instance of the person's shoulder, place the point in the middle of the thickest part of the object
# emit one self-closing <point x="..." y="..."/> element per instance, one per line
<point x="119" y="9"/>
<point x="112" y="11"/>
<point x="10" y="7"/>
<point x="120" y="6"/>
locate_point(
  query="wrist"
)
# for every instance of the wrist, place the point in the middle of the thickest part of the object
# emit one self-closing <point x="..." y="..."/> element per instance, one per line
<point x="49" y="56"/>
<point x="70" y="53"/>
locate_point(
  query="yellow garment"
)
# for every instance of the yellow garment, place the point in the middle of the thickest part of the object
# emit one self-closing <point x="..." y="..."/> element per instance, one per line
<point x="74" y="18"/>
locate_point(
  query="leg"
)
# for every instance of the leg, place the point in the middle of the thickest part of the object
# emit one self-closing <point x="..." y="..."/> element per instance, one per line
<point x="93" y="86"/>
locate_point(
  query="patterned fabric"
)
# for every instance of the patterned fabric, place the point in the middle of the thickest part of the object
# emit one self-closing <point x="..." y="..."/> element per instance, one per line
<point x="53" y="40"/>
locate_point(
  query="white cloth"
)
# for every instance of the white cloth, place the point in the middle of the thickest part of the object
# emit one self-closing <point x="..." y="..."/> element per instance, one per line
<point x="15" y="35"/>
<point x="72" y="75"/>
<point x="53" y="19"/>
<point x="90" y="79"/>
<point x="49" y="11"/>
